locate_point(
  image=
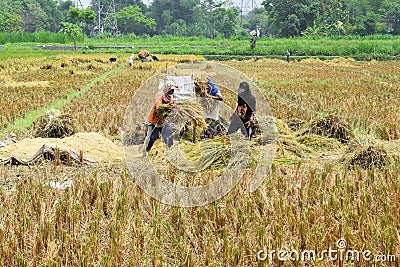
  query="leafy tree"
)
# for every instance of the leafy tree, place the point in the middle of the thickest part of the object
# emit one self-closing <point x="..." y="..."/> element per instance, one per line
<point x="10" y="22"/>
<point x="333" y="11"/>
<point x="121" y="4"/>
<point x="35" y="18"/>
<point x="208" y="7"/>
<point x="166" y="12"/>
<point x="131" y="20"/>
<point x="391" y="11"/>
<point x="54" y="14"/>
<point x="290" y="18"/>
<point x="316" y="30"/>
<point x="73" y="15"/>
<point x="367" y="24"/>
<point x="72" y="30"/>
<point x="226" y="21"/>
<point x="258" y="17"/>
<point x="370" y="22"/>
<point x="291" y="26"/>
<point x="84" y="18"/>
<point x="63" y="6"/>
<point x="177" y="28"/>
<point x="12" y="6"/>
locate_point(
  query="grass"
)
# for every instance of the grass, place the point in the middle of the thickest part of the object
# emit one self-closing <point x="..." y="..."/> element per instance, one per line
<point x="378" y="47"/>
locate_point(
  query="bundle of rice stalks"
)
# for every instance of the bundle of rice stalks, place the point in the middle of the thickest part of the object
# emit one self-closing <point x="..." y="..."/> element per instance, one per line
<point x="163" y="111"/>
<point x="282" y="128"/>
<point x="288" y="147"/>
<point x="189" y="116"/>
<point x="320" y="143"/>
<point x="331" y="126"/>
<point x="368" y="158"/>
<point x="210" y="154"/>
<point x="295" y="124"/>
<point x="143" y="54"/>
<point x="264" y="130"/>
<point x="193" y="130"/>
<point x="48" y="126"/>
<point x="213" y="153"/>
<point x="188" y="111"/>
<point x="216" y="128"/>
<point x="201" y="87"/>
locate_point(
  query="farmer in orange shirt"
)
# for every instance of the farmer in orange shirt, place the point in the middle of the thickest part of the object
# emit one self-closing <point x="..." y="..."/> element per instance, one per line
<point x="157" y="124"/>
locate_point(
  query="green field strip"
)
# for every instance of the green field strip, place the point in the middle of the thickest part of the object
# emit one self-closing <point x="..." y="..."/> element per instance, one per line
<point x="20" y="125"/>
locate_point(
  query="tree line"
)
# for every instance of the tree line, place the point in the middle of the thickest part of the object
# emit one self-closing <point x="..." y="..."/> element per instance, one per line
<point x="206" y="18"/>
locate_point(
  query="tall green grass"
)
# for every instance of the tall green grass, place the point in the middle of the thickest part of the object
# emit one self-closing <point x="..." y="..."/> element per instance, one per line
<point x="36" y="37"/>
<point x="380" y="47"/>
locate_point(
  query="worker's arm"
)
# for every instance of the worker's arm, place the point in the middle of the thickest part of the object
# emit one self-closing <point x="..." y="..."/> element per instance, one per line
<point x="251" y="120"/>
<point x="214" y="87"/>
<point x="172" y="103"/>
<point x="160" y="103"/>
<point x="218" y="97"/>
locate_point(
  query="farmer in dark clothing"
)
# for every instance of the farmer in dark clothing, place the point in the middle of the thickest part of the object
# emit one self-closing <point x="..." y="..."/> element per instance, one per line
<point x="153" y="57"/>
<point x="287" y="55"/>
<point x="113" y="59"/>
<point x="245" y="112"/>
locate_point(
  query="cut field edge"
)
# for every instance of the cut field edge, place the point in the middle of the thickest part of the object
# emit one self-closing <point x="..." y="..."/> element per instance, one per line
<point x="22" y="125"/>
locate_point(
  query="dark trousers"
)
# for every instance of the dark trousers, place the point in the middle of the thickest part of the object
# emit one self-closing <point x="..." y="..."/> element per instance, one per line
<point x="153" y="134"/>
<point x="212" y="127"/>
<point x="236" y="124"/>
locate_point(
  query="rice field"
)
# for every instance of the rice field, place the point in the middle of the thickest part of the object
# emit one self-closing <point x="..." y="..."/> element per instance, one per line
<point x="28" y="84"/>
<point x="311" y="198"/>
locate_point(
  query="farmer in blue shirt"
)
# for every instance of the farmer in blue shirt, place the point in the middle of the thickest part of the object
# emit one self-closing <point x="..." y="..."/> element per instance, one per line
<point x="212" y="113"/>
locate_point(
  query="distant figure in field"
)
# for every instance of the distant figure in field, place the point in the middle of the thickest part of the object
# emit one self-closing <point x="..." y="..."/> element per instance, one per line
<point x="254" y="35"/>
<point x="153" y="57"/>
<point x="287" y="55"/>
<point x="131" y="59"/>
<point x="143" y="54"/>
<point x="113" y="59"/>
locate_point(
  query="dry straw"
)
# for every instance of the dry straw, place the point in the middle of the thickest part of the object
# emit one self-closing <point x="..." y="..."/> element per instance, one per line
<point x="48" y="126"/>
<point x="331" y="126"/>
<point x="368" y="158"/>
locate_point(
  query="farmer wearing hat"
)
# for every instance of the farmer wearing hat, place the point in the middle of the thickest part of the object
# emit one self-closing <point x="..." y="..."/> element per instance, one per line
<point x="143" y="54"/>
<point x="155" y="123"/>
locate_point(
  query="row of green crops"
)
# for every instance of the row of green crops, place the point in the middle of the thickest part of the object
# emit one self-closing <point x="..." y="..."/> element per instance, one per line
<point x="361" y="48"/>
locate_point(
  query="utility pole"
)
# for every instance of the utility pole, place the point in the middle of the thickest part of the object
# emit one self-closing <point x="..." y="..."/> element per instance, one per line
<point x="246" y="6"/>
<point x="78" y="4"/>
<point x="106" y="17"/>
